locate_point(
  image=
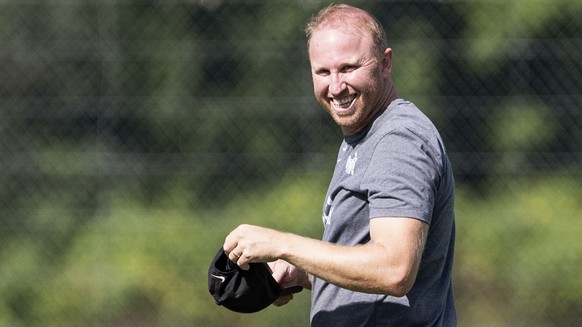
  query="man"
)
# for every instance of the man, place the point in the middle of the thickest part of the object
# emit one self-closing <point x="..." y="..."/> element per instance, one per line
<point x="387" y="250"/>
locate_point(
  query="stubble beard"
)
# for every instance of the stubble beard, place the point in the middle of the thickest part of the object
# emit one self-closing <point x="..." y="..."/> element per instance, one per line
<point x="356" y="118"/>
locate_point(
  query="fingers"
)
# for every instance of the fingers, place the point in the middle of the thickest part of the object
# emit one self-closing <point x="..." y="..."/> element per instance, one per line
<point x="277" y="272"/>
<point x="237" y="248"/>
<point x="241" y="245"/>
<point x="233" y="256"/>
<point x="238" y="259"/>
<point x="248" y="243"/>
<point x="233" y="250"/>
<point x="230" y="243"/>
<point x="283" y="272"/>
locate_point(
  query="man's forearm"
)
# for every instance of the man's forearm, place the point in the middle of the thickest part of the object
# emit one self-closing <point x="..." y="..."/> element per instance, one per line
<point x="365" y="268"/>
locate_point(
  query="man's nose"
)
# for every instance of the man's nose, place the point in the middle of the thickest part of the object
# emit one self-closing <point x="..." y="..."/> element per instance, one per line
<point x="337" y="84"/>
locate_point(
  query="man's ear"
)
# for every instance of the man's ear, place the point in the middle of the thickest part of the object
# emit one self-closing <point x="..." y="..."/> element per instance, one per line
<point x="387" y="63"/>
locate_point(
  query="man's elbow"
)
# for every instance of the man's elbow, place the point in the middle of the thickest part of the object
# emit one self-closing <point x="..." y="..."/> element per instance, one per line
<point x="402" y="288"/>
<point x="398" y="284"/>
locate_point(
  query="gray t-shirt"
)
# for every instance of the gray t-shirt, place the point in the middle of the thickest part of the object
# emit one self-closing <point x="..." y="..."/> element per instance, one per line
<point x="397" y="167"/>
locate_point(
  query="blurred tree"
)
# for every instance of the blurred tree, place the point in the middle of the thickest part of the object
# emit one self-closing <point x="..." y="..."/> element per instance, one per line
<point x="515" y="54"/>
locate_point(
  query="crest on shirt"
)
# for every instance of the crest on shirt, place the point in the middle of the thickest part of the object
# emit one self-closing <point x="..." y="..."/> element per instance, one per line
<point x="351" y="164"/>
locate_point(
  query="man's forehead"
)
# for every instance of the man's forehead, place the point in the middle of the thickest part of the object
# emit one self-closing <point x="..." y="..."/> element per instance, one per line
<point x="348" y="23"/>
<point x="338" y="33"/>
<point x="334" y="47"/>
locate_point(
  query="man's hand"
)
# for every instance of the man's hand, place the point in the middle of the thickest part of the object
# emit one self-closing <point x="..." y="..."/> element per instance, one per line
<point x="248" y="243"/>
<point x="288" y="275"/>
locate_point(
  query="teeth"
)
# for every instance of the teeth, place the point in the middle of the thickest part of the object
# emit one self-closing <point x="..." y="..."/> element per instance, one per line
<point x="344" y="102"/>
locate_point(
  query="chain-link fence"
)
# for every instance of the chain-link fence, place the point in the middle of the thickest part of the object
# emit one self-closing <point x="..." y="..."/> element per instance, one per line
<point x="135" y="134"/>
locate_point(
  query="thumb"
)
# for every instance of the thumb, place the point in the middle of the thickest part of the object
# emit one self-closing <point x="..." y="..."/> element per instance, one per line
<point x="282" y="272"/>
<point x="279" y="272"/>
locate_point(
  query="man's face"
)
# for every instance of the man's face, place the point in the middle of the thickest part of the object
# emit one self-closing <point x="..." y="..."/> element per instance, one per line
<point x="349" y="80"/>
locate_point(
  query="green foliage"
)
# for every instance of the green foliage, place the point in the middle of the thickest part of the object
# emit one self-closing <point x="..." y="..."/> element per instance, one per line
<point x="518" y="253"/>
<point x="135" y="136"/>
<point x="501" y="29"/>
<point x="518" y="130"/>
<point x="517" y="249"/>
<point x="148" y="265"/>
<point x="414" y="63"/>
<point x="523" y="127"/>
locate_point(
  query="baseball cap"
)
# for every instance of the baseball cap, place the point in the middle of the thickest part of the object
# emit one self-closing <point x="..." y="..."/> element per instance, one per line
<point x="244" y="291"/>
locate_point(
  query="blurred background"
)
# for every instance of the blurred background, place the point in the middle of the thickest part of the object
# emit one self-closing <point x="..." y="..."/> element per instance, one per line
<point x="134" y="135"/>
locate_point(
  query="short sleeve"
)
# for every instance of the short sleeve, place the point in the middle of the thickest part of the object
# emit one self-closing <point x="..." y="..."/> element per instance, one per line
<point x="403" y="175"/>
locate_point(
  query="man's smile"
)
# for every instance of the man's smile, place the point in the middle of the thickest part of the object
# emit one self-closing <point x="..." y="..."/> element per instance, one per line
<point x="343" y="104"/>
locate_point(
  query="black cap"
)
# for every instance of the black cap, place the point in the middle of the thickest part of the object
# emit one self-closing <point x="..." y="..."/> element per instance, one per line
<point x="239" y="290"/>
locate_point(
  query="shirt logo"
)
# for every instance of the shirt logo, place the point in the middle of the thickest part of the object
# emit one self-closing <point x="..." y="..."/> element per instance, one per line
<point x="351" y="164"/>
<point x="220" y="278"/>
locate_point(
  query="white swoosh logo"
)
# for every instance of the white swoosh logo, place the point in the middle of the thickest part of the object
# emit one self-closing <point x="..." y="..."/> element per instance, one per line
<point x="221" y="278"/>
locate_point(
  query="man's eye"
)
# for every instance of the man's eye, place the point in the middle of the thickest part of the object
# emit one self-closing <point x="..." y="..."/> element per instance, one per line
<point x="347" y="69"/>
<point x="322" y="72"/>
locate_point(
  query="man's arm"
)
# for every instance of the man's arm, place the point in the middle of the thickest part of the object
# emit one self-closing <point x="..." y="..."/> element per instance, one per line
<point x="386" y="265"/>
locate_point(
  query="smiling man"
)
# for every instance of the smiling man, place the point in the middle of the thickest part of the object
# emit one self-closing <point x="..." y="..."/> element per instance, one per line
<point x="351" y="74"/>
<point x="386" y="255"/>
